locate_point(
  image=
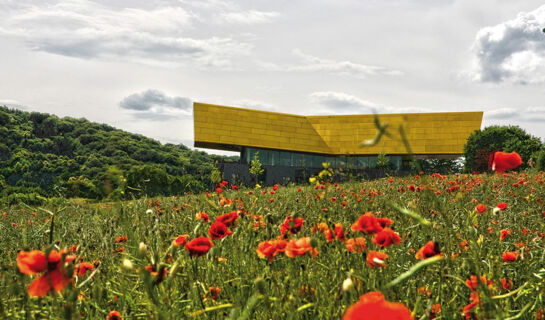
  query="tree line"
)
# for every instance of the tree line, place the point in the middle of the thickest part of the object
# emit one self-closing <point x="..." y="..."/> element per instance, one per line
<point x="44" y="156"/>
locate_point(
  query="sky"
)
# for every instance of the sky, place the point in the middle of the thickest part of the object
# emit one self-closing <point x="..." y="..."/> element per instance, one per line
<point x="139" y="65"/>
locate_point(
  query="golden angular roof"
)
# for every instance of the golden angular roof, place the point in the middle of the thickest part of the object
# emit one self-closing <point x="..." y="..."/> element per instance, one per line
<point x="230" y="128"/>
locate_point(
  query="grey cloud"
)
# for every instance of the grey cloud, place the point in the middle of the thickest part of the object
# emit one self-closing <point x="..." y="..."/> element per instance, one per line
<point x="156" y="105"/>
<point x="502" y="113"/>
<point x="13" y="104"/>
<point x="513" y="50"/>
<point x="527" y="114"/>
<point x="85" y="29"/>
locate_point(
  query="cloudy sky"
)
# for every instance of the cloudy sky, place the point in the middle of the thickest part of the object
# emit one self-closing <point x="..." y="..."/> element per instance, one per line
<point x="139" y="65"/>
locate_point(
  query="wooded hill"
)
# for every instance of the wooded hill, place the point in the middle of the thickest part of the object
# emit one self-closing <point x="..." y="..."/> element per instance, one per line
<point x="42" y="156"/>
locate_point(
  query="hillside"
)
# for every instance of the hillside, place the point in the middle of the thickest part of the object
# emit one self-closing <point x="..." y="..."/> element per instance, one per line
<point x="42" y="155"/>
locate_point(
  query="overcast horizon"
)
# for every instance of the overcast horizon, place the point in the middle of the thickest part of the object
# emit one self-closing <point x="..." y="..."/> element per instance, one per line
<point x="139" y="65"/>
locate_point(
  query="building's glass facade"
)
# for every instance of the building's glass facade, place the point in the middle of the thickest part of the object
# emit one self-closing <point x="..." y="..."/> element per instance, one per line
<point x="309" y="160"/>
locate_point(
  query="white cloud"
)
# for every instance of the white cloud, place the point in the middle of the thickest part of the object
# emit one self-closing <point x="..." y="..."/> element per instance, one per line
<point x="249" y="16"/>
<point x="311" y="63"/>
<point x="502" y="113"/>
<point x="512" y="51"/>
<point x="525" y="114"/>
<point x="332" y="102"/>
<point x="85" y="29"/>
<point x="12" y="104"/>
<point x="156" y="105"/>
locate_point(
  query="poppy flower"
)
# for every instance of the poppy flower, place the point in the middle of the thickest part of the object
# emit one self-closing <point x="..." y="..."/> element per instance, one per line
<point x="180" y="240"/>
<point x="430" y="249"/>
<point x="291" y="225"/>
<point x="199" y="246"/>
<point x="270" y="248"/>
<point x="481" y="208"/>
<point x="356" y="245"/>
<point x="121" y="239"/>
<point x="214" y="293"/>
<point x="502" y="161"/>
<point x="202" y="215"/>
<point x="114" y="315"/>
<point x="373" y="306"/>
<point x="376" y="259"/>
<point x="367" y="224"/>
<point x="54" y="277"/>
<point x="386" y="237"/>
<point x="434" y="311"/>
<point x="298" y="247"/>
<point x="504" y="233"/>
<point x="218" y="230"/>
<point x="506" y="284"/>
<point x="83" y="267"/>
<point x="510" y="256"/>
<point x="473" y="284"/>
<point x="385" y="222"/>
<point x="228" y="218"/>
<point x="502" y="206"/>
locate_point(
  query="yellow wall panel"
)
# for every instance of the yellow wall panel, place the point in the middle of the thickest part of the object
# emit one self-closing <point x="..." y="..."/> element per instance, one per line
<point x="428" y="133"/>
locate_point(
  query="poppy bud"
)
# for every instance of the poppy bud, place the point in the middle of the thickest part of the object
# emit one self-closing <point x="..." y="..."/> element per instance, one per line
<point x="313" y="243"/>
<point x="142" y="249"/>
<point x="348" y="284"/>
<point x="260" y="285"/>
<point x="127" y="265"/>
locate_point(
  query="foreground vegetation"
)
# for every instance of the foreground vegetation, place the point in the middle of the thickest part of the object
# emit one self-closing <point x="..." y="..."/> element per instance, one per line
<point x="487" y="261"/>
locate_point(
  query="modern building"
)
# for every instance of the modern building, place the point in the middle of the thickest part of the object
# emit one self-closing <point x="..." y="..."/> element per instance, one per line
<point x="294" y="146"/>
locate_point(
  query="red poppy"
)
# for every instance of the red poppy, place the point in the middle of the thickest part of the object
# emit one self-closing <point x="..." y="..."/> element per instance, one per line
<point x="114" y="315"/>
<point x="510" y="256"/>
<point x="481" y="208"/>
<point x="502" y="206"/>
<point x="472" y="282"/>
<point x="121" y="239"/>
<point x="55" y="276"/>
<point x="83" y="267"/>
<point x="199" y="246"/>
<point x="373" y="306"/>
<point x="504" y="233"/>
<point x="376" y="259"/>
<point x="435" y="310"/>
<point x="228" y="218"/>
<point x="270" y="248"/>
<point x="501" y="161"/>
<point x="180" y="240"/>
<point x="386" y="237"/>
<point x="430" y="249"/>
<point x="218" y="230"/>
<point x="385" y="222"/>
<point x="291" y="225"/>
<point x="203" y="216"/>
<point x="298" y="247"/>
<point x="506" y="284"/>
<point x="356" y="245"/>
<point x="367" y="223"/>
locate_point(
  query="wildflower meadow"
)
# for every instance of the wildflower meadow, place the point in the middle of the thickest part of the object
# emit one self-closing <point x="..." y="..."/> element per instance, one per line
<point x="418" y="247"/>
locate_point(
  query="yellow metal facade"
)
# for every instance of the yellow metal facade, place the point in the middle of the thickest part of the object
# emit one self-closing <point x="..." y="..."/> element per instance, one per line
<point x="230" y="128"/>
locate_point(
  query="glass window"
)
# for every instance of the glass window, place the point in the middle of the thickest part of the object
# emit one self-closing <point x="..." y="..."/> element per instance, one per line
<point x="362" y="162"/>
<point x="285" y="159"/>
<point x="296" y="159"/>
<point x="372" y="162"/>
<point x="274" y="157"/>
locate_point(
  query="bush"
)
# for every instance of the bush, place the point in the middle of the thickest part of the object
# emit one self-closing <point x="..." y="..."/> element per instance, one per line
<point x="540" y="162"/>
<point x="482" y="143"/>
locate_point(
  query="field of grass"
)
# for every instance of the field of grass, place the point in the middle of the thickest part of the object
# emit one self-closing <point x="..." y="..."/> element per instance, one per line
<point x="137" y="270"/>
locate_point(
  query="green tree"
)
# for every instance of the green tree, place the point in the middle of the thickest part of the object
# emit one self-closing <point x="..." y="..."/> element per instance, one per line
<point x="482" y="143"/>
<point x="215" y="174"/>
<point x="255" y="168"/>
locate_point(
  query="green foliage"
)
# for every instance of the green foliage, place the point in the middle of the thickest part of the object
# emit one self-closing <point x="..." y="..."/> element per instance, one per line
<point x="255" y="168"/>
<point x="300" y="287"/>
<point x="382" y="160"/>
<point x="482" y="143"/>
<point x="215" y="175"/>
<point x="540" y="160"/>
<point x="51" y="157"/>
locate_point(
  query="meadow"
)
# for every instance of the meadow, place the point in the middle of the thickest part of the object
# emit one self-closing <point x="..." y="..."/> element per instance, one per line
<point x="446" y="247"/>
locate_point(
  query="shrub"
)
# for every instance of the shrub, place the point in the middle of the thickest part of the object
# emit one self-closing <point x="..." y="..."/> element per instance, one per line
<point x="481" y="143"/>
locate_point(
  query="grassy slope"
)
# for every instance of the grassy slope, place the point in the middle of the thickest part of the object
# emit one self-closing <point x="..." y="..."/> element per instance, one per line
<point x="94" y="228"/>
